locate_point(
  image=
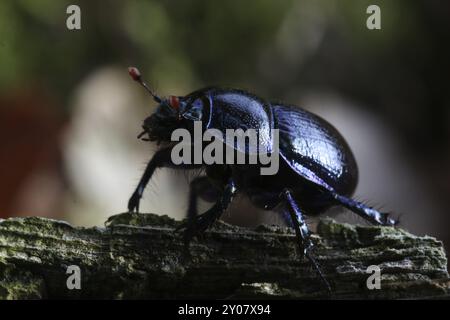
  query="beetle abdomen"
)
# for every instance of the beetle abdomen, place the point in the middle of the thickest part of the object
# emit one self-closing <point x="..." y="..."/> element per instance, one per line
<point x="315" y="149"/>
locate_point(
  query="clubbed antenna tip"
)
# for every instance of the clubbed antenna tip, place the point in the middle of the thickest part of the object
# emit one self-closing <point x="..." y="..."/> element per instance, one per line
<point x="136" y="76"/>
<point x="134" y="73"/>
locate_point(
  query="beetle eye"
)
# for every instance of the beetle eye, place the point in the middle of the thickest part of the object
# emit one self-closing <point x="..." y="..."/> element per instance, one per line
<point x="174" y="102"/>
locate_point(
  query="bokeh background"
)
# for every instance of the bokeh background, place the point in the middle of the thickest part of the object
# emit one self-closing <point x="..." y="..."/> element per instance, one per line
<point x="69" y="114"/>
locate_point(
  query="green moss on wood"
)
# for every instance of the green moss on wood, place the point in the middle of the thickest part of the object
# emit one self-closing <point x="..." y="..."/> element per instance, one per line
<point x="141" y="256"/>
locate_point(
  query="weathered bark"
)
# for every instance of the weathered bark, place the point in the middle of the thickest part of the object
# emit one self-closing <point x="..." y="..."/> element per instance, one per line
<point x="140" y="256"/>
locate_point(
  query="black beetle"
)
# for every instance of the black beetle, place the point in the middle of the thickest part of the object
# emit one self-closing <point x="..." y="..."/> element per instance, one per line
<point x="317" y="168"/>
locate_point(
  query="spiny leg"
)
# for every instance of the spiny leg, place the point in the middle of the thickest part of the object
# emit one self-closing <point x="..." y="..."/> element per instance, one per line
<point x="370" y="214"/>
<point x="162" y="158"/>
<point x="303" y="234"/>
<point x="204" y="221"/>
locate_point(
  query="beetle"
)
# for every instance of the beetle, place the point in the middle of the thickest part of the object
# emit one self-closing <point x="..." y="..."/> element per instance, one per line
<point x="317" y="168"/>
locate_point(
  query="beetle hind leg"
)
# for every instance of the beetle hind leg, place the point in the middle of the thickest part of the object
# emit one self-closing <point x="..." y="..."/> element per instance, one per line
<point x="303" y="234"/>
<point x="366" y="212"/>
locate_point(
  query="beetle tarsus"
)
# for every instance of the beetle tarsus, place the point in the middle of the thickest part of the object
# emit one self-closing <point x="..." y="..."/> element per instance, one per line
<point x="318" y="270"/>
<point x="199" y="224"/>
<point x="303" y="234"/>
<point x="133" y="203"/>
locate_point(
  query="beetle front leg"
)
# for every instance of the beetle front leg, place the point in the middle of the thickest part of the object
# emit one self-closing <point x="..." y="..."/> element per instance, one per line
<point x="198" y="224"/>
<point x="160" y="159"/>
<point x="302" y="233"/>
<point x="364" y="211"/>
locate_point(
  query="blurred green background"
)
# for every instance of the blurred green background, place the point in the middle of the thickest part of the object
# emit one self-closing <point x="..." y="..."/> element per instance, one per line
<point x="69" y="114"/>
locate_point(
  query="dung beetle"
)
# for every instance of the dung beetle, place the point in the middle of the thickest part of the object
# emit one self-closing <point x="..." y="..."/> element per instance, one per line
<point x="317" y="168"/>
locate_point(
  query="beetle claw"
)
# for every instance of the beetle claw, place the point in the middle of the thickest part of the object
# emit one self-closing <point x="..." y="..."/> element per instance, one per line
<point x="195" y="228"/>
<point x="133" y="203"/>
<point x="387" y="221"/>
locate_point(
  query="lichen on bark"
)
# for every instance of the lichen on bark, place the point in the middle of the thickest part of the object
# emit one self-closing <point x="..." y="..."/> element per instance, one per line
<point x="141" y="256"/>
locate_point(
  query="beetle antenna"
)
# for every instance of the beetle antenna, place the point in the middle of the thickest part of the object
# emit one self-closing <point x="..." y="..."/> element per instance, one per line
<point x="136" y="76"/>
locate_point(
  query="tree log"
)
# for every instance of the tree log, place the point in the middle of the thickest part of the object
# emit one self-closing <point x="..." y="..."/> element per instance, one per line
<point x="141" y="256"/>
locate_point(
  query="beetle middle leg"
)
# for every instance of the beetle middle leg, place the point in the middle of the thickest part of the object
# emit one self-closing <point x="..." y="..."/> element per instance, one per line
<point x="302" y="232"/>
<point x="200" y="187"/>
<point x="370" y="214"/>
<point x="198" y="224"/>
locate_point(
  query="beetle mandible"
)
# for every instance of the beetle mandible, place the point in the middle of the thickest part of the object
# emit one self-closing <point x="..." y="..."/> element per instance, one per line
<point x="317" y="168"/>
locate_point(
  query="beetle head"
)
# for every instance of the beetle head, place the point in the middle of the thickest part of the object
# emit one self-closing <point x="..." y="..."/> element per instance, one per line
<point x="172" y="113"/>
<point x="161" y="123"/>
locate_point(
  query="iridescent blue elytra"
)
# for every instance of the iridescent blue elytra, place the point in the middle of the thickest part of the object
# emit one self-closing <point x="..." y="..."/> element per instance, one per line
<point x="317" y="168"/>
